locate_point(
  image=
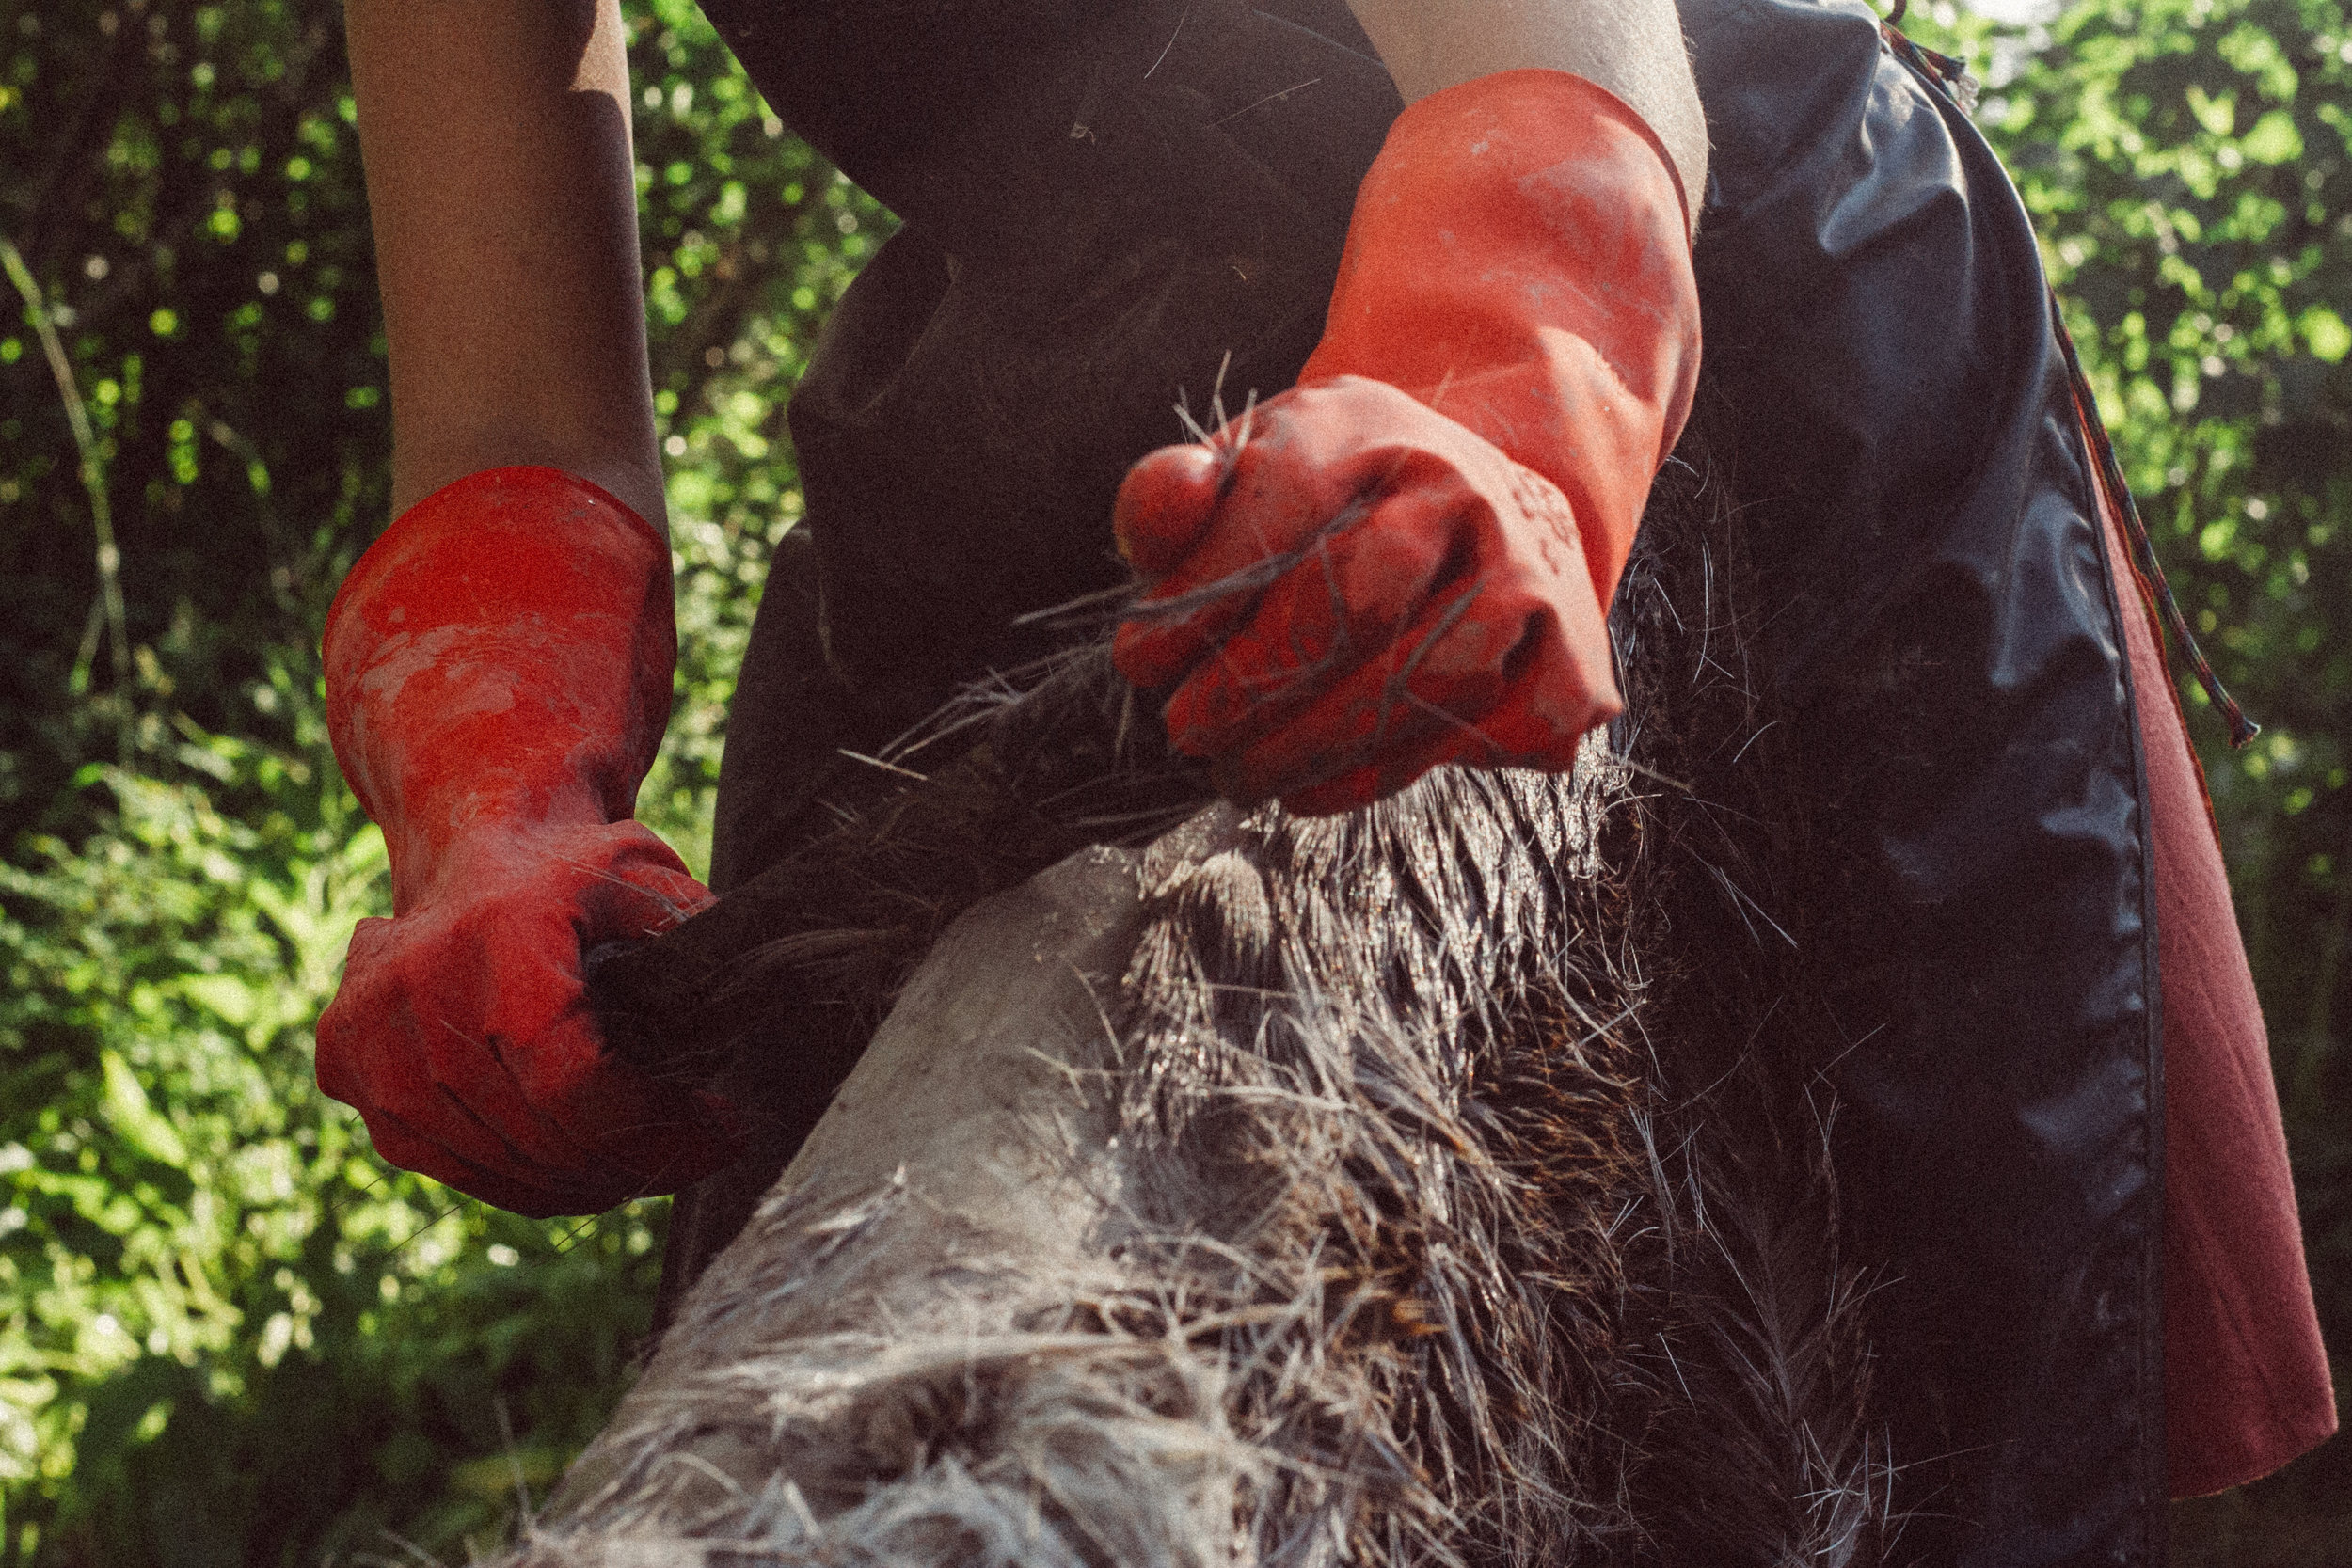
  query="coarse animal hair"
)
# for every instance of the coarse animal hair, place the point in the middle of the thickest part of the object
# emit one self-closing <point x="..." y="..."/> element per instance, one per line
<point x="1439" y="1183"/>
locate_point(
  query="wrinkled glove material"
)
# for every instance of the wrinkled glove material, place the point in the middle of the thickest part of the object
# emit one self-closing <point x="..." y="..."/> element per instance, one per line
<point x="497" y="672"/>
<point x="1408" y="559"/>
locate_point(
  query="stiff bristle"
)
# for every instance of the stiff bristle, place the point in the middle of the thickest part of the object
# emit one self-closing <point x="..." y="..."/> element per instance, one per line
<point x="1440" y="1184"/>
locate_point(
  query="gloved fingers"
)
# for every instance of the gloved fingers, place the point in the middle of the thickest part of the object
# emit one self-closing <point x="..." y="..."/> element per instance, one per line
<point x="1165" y="636"/>
<point x="630" y="885"/>
<point x="635" y="1139"/>
<point x="1172" y="629"/>
<point x="398" y="1145"/>
<point x="1165" y="509"/>
<point x="497" y="1017"/>
<point x="1489" y="675"/>
<point x="388" y="1044"/>
<point x="1317" y="459"/>
<point x="1349" y="791"/>
<point x="470" y="1027"/>
<point x="1566" y="687"/>
<point x="559" y="1094"/>
<point x="649" y="1138"/>
<point x="1540" y="724"/>
<point x="1392" y="708"/>
<point x="613" y="1136"/>
<point x="1276" y="521"/>
<point x="1340" y="607"/>
<point x="1311" y="454"/>
<point x="541" y="1081"/>
<point x="494" y="1109"/>
<point x="1165" y="504"/>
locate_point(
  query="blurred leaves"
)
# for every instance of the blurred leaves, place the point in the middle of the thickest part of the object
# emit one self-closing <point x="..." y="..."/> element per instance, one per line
<point x="228" y="1334"/>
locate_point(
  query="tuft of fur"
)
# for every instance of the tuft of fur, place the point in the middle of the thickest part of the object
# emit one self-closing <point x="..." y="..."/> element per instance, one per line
<point x="1767" y="1457"/>
<point x="1009" y="779"/>
<point x="1445" y="1183"/>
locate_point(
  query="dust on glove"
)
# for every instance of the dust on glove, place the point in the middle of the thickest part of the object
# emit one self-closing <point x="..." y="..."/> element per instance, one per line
<point x="497" y="674"/>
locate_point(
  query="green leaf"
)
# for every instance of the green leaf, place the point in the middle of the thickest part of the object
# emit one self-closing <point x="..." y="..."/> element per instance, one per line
<point x="2326" y="334"/>
<point x="132" y="1119"/>
<point x="228" y="996"/>
<point x="2274" y="139"/>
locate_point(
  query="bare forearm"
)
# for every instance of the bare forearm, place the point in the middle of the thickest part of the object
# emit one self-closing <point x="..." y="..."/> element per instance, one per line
<point x="502" y="188"/>
<point x="1632" y="47"/>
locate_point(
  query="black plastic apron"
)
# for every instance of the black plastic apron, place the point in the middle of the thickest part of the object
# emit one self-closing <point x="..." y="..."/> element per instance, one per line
<point x="1102" y="203"/>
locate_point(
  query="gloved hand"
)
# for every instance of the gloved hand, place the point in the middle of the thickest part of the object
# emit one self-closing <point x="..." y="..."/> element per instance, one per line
<point x="1354" y="584"/>
<point x="498" y="679"/>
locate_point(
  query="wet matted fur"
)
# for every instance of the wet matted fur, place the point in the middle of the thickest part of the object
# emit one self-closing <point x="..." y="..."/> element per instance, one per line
<point x="1442" y="1183"/>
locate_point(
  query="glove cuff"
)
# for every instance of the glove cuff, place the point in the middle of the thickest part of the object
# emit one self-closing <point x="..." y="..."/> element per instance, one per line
<point x="1520" y="260"/>
<point x="503" y="652"/>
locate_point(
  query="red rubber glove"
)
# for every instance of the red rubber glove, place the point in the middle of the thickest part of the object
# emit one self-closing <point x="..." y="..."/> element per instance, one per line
<point x="1357" y="584"/>
<point x="498" y="679"/>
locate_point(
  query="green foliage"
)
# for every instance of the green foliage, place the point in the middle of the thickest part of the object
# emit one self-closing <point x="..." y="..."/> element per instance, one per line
<point x="226" y="1333"/>
<point x="230" y="1336"/>
<point x="183" y="184"/>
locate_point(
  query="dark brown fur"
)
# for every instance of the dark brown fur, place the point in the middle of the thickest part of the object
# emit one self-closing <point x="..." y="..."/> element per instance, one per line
<point x="1477" y="1202"/>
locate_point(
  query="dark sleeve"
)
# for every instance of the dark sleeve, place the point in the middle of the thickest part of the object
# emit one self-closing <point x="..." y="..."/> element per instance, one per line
<point x="912" y="99"/>
<point x="870" y="83"/>
<point x="1943" y="636"/>
<point x="1874" y="311"/>
<point x="1146" y="203"/>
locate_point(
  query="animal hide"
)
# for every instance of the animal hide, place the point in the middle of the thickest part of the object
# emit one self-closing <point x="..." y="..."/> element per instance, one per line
<point x="1439" y="1183"/>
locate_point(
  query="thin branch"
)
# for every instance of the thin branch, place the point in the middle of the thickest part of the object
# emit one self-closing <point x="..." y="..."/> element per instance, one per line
<point x="93" y="480"/>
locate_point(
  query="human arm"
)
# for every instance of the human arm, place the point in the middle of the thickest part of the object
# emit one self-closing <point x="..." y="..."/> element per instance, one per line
<point x="499" y="664"/>
<point x="1633" y="48"/>
<point x="502" y="188"/>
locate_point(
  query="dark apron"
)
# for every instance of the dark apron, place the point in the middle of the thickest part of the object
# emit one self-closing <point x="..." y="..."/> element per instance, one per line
<point x="1103" y="202"/>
